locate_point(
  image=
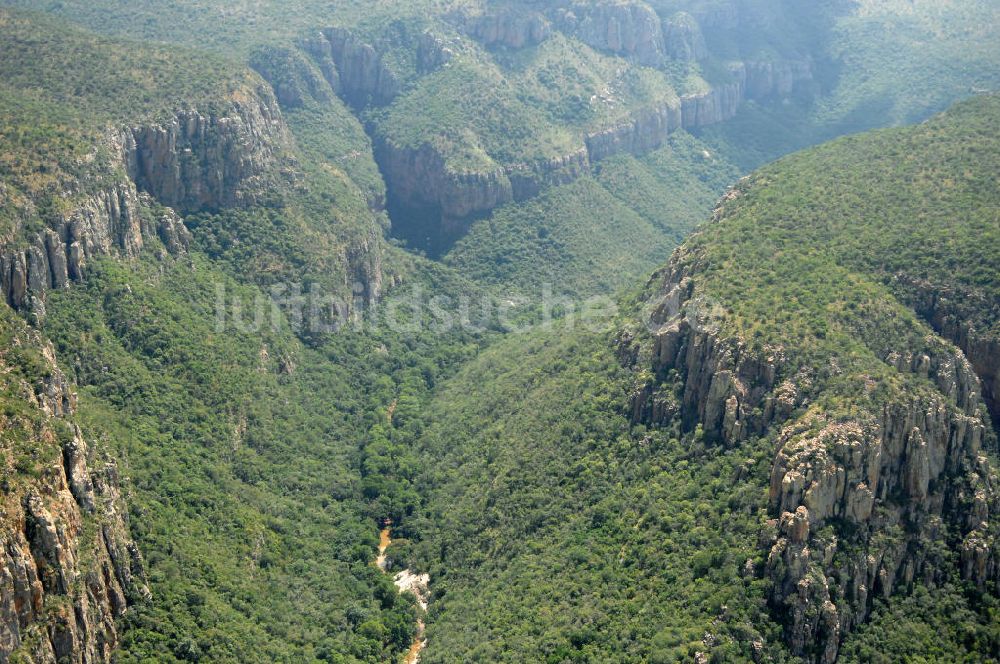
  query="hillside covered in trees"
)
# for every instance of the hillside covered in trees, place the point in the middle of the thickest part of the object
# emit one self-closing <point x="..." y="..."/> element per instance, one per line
<point x="278" y="276"/>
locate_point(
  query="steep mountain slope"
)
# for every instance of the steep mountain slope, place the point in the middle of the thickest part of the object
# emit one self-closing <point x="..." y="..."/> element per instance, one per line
<point x="69" y="567"/>
<point x="197" y="237"/>
<point x="877" y="63"/>
<point x="597" y="235"/>
<point x="244" y="490"/>
<point x="471" y="106"/>
<point x="796" y="442"/>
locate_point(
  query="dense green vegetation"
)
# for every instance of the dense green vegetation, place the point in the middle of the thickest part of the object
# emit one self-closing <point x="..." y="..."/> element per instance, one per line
<point x="106" y="79"/>
<point x="248" y="455"/>
<point x="62" y="88"/>
<point x="601" y="233"/>
<point x="917" y="203"/>
<point x="555" y="532"/>
<point x="262" y="458"/>
<point x="534" y="104"/>
<point x="931" y="625"/>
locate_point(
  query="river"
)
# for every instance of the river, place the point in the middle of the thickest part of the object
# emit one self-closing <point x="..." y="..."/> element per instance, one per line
<point x="407" y="582"/>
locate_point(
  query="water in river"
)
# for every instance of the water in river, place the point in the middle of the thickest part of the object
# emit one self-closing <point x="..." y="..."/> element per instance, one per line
<point x="407" y="582"/>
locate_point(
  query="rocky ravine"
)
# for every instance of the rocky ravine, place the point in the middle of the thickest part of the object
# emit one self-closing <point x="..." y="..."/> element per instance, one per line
<point x="896" y="483"/>
<point x="420" y="181"/>
<point x="68" y="567"/>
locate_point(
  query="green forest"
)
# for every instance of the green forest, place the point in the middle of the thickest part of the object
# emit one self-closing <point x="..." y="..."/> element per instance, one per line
<point x="285" y="281"/>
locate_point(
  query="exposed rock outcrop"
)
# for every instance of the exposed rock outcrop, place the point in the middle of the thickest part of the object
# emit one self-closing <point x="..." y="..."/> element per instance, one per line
<point x="630" y="29"/>
<point x="361" y="73"/>
<point x="358" y="73"/>
<point x="208" y="161"/>
<point x="644" y="131"/>
<point x="749" y="80"/>
<point x="420" y="179"/>
<point x="68" y="567"/>
<point x="899" y="482"/>
<point x="108" y="222"/>
<point x="683" y="38"/>
<point x="963" y="318"/>
<point x="510" y="29"/>
<point x="423" y="186"/>
<point x="193" y="162"/>
<point x="293" y="77"/>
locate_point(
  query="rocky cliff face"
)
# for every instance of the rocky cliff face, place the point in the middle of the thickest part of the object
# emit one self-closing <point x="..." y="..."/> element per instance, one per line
<point x="419" y="178"/>
<point x="756" y="81"/>
<point x="195" y="161"/>
<point x="210" y="161"/>
<point x="419" y="181"/>
<point x="68" y="567"/>
<point x="629" y="29"/>
<point x="116" y="221"/>
<point x="964" y="319"/>
<point x="683" y="38"/>
<point x="509" y="29"/>
<point x="901" y="484"/>
<point x="646" y="130"/>
<point x="353" y="67"/>
<point x="293" y="77"/>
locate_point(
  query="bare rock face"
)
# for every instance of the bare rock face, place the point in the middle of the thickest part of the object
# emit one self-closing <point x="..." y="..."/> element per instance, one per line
<point x="862" y="506"/>
<point x="361" y="73"/>
<point x="630" y="29"/>
<point x="777" y="78"/>
<point x="420" y="179"/>
<point x="358" y="71"/>
<point x="646" y="130"/>
<point x="193" y="162"/>
<point x="510" y="29"/>
<point x="717" y="105"/>
<point x="683" y="38"/>
<point x="750" y="80"/>
<point x="955" y="316"/>
<point x="206" y="161"/>
<point x="68" y="567"/>
<point x="109" y="222"/>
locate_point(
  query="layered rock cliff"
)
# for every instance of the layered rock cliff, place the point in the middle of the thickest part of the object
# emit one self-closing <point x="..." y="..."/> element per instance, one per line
<point x="207" y="161"/>
<point x="361" y="73"/>
<point x="196" y="161"/>
<point x="510" y="29"/>
<point x="683" y="38"/>
<point x="420" y="181"/>
<point x="629" y="29"/>
<point x="966" y="320"/>
<point x="117" y="221"/>
<point x="644" y="131"/>
<point x="293" y="77"/>
<point x="864" y="505"/>
<point x="418" y="178"/>
<point x="68" y="567"/>
<point x="353" y="67"/>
